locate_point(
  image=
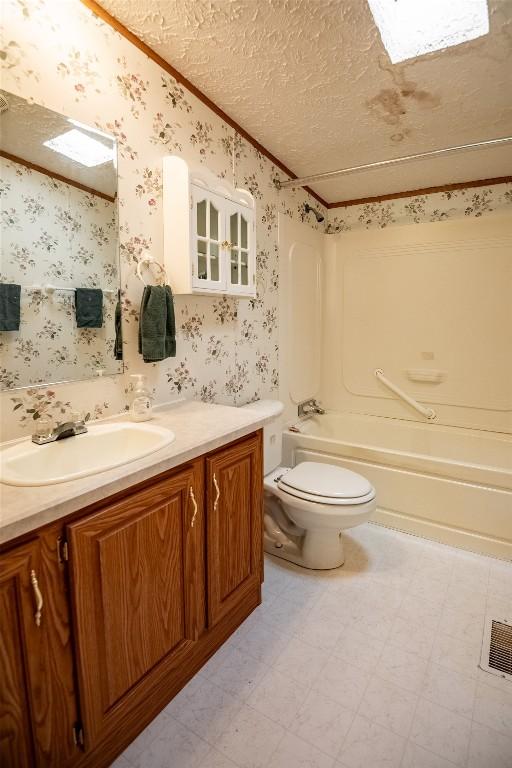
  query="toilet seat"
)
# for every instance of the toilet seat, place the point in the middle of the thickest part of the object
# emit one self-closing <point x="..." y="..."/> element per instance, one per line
<point x="326" y="484"/>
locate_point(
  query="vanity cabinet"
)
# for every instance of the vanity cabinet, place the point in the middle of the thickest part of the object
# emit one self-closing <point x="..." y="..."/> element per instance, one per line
<point x="137" y="593"/>
<point x="38" y="709"/>
<point x="209" y="232"/>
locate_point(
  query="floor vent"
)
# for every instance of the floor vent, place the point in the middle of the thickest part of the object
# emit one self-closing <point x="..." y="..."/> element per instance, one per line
<point x="497" y="647"/>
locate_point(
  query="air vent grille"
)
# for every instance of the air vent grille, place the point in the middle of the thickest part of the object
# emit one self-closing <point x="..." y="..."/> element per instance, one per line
<point x="497" y="647"/>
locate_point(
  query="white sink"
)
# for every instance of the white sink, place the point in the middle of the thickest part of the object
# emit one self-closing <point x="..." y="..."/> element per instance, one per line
<point x="103" y="447"/>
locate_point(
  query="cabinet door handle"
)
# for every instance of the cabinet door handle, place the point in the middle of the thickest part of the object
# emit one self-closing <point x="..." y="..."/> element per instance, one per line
<point x="38" y="596"/>
<point x="194" y="502"/>
<point x="217" y="489"/>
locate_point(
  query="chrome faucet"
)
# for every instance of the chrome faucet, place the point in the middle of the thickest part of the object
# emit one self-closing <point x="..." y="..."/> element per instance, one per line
<point x="309" y="407"/>
<point x="68" y="429"/>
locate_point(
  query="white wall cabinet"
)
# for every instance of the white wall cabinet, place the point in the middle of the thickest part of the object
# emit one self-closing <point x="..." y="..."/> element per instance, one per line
<point x="209" y="233"/>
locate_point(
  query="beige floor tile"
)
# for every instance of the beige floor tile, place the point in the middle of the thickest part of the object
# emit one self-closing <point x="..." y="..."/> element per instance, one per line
<point x="388" y="705"/>
<point x="441" y="731"/>
<point x="278" y="697"/>
<point x="323" y="722"/>
<point x="368" y="744"/>
<point x="250" y="739"/>
<point x="293" y="752"/>
<point x="451" y="689"/>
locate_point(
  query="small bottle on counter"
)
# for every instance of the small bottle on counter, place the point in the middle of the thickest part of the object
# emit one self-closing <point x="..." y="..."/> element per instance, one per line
<point x="142" y="406"/>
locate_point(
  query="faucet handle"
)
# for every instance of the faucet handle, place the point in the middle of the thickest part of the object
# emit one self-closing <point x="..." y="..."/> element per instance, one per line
<point x="77" y="417"/>
<point x="44" y="427"/>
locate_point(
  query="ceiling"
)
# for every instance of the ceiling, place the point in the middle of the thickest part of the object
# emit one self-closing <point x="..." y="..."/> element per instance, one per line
<point x="311" y="81"/>
<point x="24" y="126"/>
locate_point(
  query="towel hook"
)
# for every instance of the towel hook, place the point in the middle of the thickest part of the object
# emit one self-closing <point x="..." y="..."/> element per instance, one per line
<point x="150" y="260"/>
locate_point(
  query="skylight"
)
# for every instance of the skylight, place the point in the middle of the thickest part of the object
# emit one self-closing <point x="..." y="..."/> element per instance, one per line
<point x="411" y="28"/>
<point x="81" y="148"/>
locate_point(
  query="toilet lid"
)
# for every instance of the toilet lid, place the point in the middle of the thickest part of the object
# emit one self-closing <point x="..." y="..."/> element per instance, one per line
<point x="326" y="480"/>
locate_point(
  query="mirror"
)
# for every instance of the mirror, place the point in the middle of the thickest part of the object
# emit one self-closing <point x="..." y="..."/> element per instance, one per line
<point x="59" y="236"/>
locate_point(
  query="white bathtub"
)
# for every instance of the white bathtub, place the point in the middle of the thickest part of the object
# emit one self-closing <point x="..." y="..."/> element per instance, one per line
<point x="449" y="484"/>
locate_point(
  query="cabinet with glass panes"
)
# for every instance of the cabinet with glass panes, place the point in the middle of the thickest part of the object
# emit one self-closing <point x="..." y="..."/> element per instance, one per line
<point x="209" y="232"/>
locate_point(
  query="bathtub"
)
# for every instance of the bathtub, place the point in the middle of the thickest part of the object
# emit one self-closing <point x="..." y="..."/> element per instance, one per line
<point x="449" y="484"/>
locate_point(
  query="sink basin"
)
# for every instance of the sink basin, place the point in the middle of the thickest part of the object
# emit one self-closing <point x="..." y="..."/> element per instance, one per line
<point x="103" y="447"/>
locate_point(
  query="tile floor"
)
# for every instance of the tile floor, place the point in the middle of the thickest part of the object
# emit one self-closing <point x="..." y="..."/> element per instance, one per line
<point x="373" y="665"/>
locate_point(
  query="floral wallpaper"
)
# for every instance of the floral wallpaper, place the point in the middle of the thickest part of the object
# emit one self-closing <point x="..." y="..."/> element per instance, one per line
<point x="227" y="349"/>
<point x="53" y="233"/>
<point x="438" y="206"/>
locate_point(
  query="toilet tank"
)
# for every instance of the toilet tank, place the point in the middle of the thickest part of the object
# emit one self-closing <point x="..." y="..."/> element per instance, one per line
<point x="272" y="433"/>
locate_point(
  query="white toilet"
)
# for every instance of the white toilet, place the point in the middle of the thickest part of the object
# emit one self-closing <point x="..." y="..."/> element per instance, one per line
<point x="307" y="506"/>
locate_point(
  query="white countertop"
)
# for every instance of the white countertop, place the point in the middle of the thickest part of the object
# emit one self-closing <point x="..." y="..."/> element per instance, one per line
<point x="199" y="428"/>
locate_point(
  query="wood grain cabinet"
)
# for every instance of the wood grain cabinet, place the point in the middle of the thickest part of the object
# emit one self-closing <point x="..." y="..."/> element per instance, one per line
<point x="104" y="619"/>
<point x="234" y="523"/>
<point x="137" y="584"/>
<point x="37" y="699"/>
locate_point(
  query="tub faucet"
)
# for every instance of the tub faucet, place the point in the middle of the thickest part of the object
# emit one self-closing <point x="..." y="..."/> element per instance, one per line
<point x="309" y="407"/>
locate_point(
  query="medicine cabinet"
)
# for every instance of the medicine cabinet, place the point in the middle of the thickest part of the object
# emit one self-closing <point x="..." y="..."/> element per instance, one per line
<point x="209" y="232"/>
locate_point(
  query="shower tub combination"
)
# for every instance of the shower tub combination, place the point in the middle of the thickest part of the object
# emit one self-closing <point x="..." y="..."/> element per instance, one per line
<point x="445" y="483"/>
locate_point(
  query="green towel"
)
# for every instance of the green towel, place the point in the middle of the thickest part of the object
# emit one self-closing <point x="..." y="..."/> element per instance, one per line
<point x="157" y="329"/>
<point x="10" y="295"/>
<point x="118" y="344"/>
<point x="89" y="307"/>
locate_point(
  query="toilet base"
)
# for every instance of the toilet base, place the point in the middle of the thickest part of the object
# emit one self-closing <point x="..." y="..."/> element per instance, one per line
<point x="317" y="550"/>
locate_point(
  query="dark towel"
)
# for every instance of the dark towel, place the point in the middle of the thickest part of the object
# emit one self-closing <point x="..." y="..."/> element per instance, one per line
<point x="157" y="329"/>
<point x="89" y="307"/>
<point x="10" y="295"/>
<point x="118" y="344"/>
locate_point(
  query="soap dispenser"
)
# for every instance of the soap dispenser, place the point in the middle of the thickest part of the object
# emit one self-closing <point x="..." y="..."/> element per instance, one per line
<point x="141" y="408"/>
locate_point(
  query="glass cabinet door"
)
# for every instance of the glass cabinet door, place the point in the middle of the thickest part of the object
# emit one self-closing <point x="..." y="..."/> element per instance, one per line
<point x="207" y="236"/>
<point x="240" y="227"/>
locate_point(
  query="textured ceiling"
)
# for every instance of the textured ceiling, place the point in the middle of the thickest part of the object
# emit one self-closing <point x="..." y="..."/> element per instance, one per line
<point x="311" y="81"/>
<point x="25" y="126"/>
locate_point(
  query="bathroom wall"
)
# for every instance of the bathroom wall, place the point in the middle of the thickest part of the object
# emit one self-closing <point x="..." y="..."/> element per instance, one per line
<point x="60" y="235"/>
<point x="227" y="349"/>
<point x="301" y="301"/>
<point x="73" y="63"/>
<point x="468" y="203"/>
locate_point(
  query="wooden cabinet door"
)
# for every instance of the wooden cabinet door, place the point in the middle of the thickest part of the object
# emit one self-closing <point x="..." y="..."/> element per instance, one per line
<point x="37" y="704"/>
<point x="137" y="579"/>
<point x="234" y="489"/>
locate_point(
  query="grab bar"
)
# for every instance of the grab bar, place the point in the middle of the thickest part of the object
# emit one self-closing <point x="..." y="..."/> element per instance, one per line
<point x="427" y="412"/>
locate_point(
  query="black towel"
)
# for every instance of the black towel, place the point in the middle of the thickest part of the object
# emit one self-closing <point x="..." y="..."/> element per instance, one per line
<point x="10" y="296"/>
<point x="89" y="307"/>
<point x="157" y="328"/>
<point x="118" y="344"/>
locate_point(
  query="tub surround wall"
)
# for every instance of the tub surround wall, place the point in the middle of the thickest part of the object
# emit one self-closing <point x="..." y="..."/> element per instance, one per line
<point x="428" y="304"/>
<point x="227" y="349"/>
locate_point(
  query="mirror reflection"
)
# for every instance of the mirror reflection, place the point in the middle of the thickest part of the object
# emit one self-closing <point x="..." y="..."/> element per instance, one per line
<point x="60" y="314"/>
